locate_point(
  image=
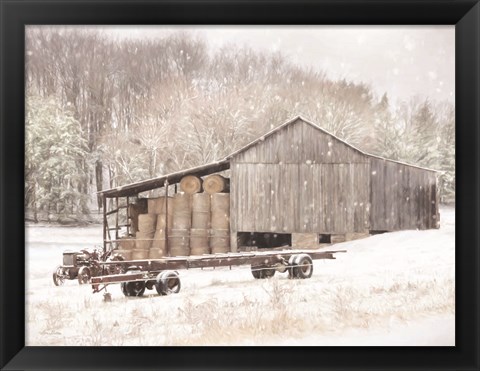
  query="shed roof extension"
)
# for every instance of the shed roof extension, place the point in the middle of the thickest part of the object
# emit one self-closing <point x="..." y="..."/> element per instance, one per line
<point x="149" y="184"/>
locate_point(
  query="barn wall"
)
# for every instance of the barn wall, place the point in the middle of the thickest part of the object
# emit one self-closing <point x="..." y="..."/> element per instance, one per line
<point x="288" y="198"/>
<point x="301" y="180"/>
<point x="403" y="197"/>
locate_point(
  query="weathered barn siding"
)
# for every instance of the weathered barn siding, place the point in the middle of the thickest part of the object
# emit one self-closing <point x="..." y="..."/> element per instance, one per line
<point x="287" y="198"/>
<point x="299" y="143"/>
<point x="403" y="197"/>
<point x="300" y="179"/>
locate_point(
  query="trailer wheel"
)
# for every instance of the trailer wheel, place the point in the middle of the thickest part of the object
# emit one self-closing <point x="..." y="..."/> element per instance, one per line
<point x="292" y="273"/>
<point x="133" y="288"/>
<point x="262" y="271"/>
<point x="300" y="266"/>
<point x="83" y="275"/>
<point x="167" y="282"/>
<point x="58" y="278"/>
<point x="256" y="271"/>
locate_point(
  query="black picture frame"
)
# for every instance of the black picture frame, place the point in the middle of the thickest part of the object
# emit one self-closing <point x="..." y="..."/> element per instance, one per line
<point x="465" y="14"/>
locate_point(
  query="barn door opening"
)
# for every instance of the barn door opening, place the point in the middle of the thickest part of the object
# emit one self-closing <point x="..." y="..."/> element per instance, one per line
<point x="258" y="240"/>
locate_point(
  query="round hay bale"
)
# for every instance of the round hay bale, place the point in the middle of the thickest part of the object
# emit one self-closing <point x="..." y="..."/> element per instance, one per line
<point x="182" y="221"/>
<point x="221" y="201"/>
<point x="220" y="220"/>
<point x="158" y="243"/>
<point x="126" y="254"/>
<point x="220" y="217"/>
<point x="219" y="241"/>
<point x="147" y="223"/>
<point x="182" y="203"/>
<point x="162" y="220"/>
<point x="175" y="251"/>
<point x="158" y="205"/>
<point x="179" y="242"/>
<point x="215" y="183"/>
<point x="126" y="244"/>
<point x="182" y="211"/>
<point x="139" y="254"/>
<point x="201" y="202"/>
<point x="156" y="253"/>
<point x="199" y="242"/>
<point x="201" y="220"/>
<point x="199" y="251"/>
<point x="191" y="184"/>
<point x="144" y="240"/>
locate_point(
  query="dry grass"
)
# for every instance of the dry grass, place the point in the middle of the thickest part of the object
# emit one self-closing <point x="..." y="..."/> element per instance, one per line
<point x="282" y="308"/>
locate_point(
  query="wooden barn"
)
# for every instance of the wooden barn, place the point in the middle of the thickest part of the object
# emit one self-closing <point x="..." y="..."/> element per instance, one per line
<point x="300" y="186"/>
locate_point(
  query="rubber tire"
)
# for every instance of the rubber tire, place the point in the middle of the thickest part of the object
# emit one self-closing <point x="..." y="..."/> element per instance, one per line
<point x="292" y="272"/>
<point x="303" y="267"/>
<point x="57" y="279"/>
<point x="257" y="273"/>
<point x="168" y="282"/>
<point x="133" y="288"/>
<point x="262" y="272"/>
<point x="83" y="272"/>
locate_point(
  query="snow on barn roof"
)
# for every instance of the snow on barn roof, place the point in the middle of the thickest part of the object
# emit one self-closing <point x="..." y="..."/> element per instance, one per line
<point x="299" y="117"/>
<point x="224" y="164"/>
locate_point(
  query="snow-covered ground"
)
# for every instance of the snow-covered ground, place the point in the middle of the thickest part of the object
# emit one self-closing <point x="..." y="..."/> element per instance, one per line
<point x="391" y="289"/>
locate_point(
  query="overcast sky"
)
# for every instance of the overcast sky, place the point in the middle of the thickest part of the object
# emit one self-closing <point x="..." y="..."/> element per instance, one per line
<point x="401" y="60"/>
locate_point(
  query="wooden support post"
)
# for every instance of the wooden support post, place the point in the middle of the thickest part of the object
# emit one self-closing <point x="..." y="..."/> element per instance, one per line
<point x="128" y="216"/>
<point x="233" y="241"/>
<point x="116" y="219"/>
<point x="104" y="200"/>
<point x="166" y="217"/>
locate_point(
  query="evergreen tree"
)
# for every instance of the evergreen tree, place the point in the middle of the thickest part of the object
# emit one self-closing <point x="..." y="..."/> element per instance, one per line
<point x="55" y="156"/>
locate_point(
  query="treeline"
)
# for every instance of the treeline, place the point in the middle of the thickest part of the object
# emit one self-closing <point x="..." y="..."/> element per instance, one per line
<point x="104" y="112"/>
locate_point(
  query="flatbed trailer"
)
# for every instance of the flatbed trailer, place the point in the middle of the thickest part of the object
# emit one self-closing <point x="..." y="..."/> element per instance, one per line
<point x="137" y="275"/>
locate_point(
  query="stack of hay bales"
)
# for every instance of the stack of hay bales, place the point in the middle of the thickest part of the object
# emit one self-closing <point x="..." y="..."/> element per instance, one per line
<point x="158" y="247"/>
<point x="135" y="209"/>
<point x="179" y="237"/>
<point x="210" y="217"/>
<point x="125" y="248"/>
<point x="200" y="224"/>
<point x="220" y="223"/>
<point x="151" y="231"/>
<point x="144" y="237"/>
<point x="163" y="213"/>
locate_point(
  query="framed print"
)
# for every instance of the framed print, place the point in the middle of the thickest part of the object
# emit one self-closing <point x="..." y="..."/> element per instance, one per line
<point x="201" y="185"/>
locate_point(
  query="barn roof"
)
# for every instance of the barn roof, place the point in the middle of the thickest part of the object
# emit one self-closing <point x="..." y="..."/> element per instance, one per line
<point x="214" y="167"/>
<point x="296" y="119"/>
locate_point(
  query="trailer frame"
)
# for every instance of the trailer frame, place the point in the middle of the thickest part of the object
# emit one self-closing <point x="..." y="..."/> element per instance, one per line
<point x="263" y="264"/>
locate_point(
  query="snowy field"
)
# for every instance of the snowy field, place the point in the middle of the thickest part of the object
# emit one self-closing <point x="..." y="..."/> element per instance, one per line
<point x="391" y="289"/>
